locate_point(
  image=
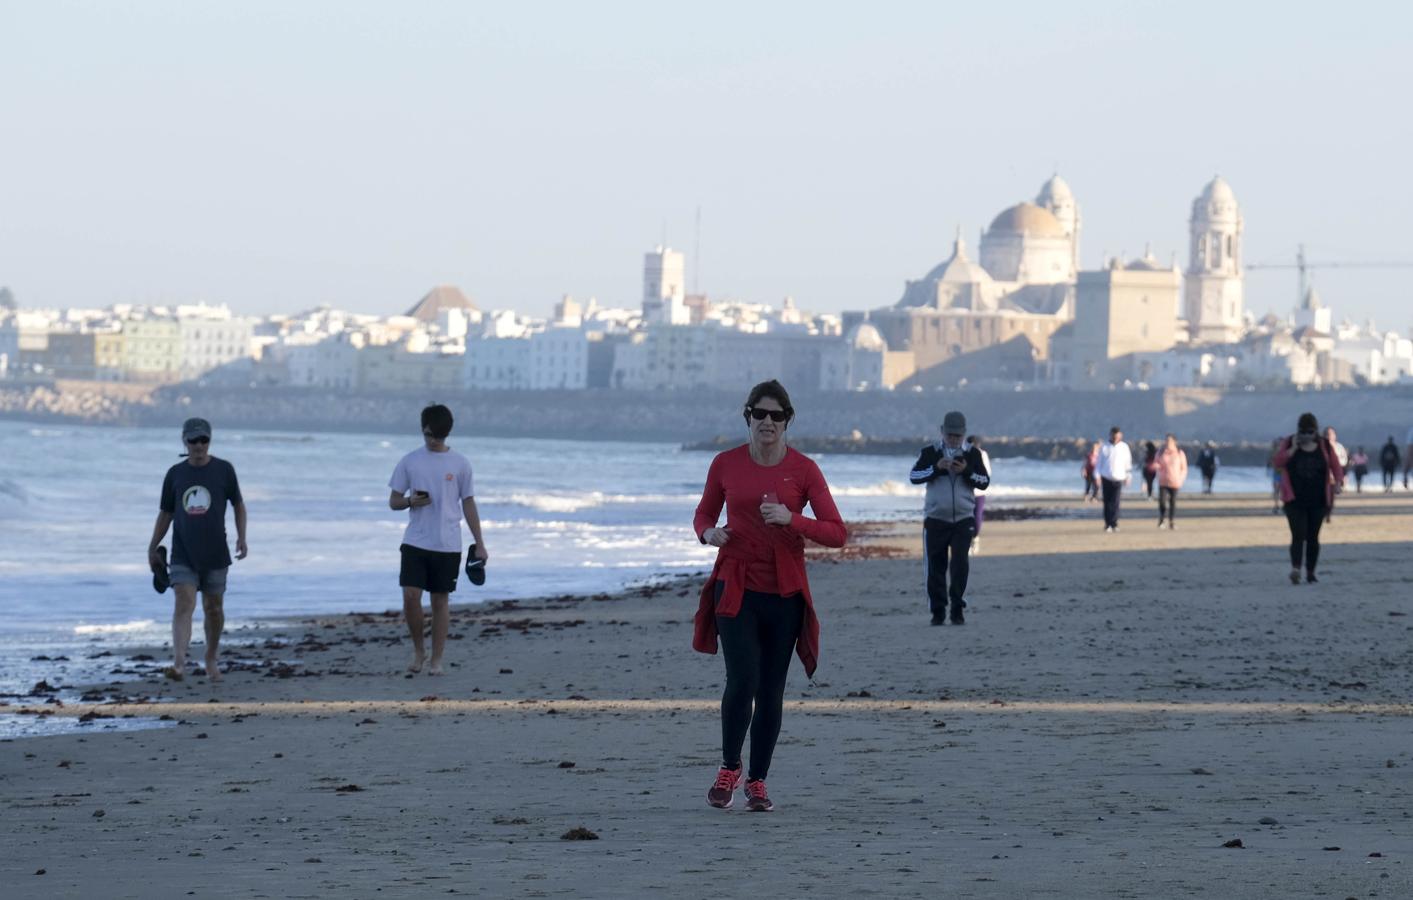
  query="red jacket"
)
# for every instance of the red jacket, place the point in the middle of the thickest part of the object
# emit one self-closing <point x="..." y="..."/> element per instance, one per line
<point x="761" y="557"/>
<point x="1334" y="472"/>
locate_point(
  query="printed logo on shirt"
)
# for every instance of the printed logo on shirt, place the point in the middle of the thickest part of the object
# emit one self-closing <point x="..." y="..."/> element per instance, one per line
<point x="450" y="477"/>
<point x="196" y="501"/>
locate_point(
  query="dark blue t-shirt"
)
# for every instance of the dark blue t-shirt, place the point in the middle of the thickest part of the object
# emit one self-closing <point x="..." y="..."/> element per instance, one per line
<point x="196" y="497"/>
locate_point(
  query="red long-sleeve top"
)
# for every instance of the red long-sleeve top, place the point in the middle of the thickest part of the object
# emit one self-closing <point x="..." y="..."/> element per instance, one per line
<point x="762" y="557"/>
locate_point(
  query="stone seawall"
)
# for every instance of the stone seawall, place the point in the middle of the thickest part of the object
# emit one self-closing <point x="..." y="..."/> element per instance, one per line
<point x="1364" y="416"/>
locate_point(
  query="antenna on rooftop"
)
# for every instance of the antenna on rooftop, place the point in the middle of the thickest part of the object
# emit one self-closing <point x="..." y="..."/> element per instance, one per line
<point x="697" y="254"/>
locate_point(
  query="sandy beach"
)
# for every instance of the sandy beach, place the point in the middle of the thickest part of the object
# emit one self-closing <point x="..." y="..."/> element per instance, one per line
<point x="1117" y="709"/>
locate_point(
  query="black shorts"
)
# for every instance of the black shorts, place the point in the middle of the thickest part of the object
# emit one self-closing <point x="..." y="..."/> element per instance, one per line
<point x="430" y="570"/>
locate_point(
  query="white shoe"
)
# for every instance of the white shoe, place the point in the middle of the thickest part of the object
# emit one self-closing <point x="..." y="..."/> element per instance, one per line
<point x="975" y="546"/>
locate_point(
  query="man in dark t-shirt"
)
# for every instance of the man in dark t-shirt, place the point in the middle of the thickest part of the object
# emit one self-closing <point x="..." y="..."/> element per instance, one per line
<point x="193" y="504"/>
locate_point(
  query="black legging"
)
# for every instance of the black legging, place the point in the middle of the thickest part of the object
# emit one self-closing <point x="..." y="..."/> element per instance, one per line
<point x="1389" y="474"/>
<point x="1305" y="522"/>
<point x="1167" y="503"/>
<point x="757" y="643"/>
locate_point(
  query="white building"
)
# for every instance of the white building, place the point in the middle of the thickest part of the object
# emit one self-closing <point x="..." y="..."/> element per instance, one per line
<point x="9" y="341"/>
<point x="665" y="287"/>
<point x="210" y="337"/>
<point x="854" y="362"/>
<point x="330" y="362"/>
<point x="497" y="363"/>
<point x="1212" y="290"/>
<point x="558" y="359"/>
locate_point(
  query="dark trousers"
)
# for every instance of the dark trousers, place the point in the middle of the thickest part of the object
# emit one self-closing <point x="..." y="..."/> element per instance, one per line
<point x="946" y="548"/>
<point x="1388" y="477"/>
<point x="1167" y="503"/>
<point x="757" y="644"/>
<point x="1113" y="490"/>
<point x="1207" y="479"/>
<point x="1148" y="482"/>
<point x="1305" y="522"/>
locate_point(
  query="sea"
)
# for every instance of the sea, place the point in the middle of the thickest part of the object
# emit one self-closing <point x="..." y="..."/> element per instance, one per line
<point x="77" y="506"/>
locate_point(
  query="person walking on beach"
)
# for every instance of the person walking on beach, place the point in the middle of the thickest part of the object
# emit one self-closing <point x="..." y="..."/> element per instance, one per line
<point x="1150" y="468"/>
<point x="980" y="500"/>
<point x="1172" y="472"/>
<point x="1208" y="462"/>
<point x="195" y="493"/>
<point x="1359" y="462"/>
<point x="1310" y="474"/>
<point x="434" y="484"/>
<point x="1089" y="472"/>
<point x="757" y="598"/>
<point x="1388" y="461"/>
<point x="1407" y="456"/>
<point x="1340" y="453"/>
<point x="953" y="471"/>
<point x="1115" y="469"/>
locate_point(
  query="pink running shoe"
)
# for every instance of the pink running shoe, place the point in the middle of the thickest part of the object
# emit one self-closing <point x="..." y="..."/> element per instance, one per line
<point x="756" y="798"/>
<point x="724" y="789"/>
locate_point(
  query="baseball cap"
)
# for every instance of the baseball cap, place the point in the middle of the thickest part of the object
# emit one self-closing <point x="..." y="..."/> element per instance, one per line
<point x="954" y="423"/>
<point x="195" y="428"/>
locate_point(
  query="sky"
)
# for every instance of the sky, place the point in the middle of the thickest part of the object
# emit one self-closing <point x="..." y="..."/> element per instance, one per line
<point x="274" y="156"/>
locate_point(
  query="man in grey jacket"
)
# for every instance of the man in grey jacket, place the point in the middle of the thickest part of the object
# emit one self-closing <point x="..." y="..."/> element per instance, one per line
<point x="953" y="471"/>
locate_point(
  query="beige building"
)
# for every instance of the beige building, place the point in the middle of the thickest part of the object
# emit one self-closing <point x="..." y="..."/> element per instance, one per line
<point x="152" y="349"/>
<point x="395" y="369"/>
<point x="1119" y="312"/>
<point x="1213" y="294"/>
<point x="109" y="350"/>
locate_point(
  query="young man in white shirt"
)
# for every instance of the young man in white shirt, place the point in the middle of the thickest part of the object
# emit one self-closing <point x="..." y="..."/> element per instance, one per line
<point x="1115" y="469"/>
<point x="434" y="483"/>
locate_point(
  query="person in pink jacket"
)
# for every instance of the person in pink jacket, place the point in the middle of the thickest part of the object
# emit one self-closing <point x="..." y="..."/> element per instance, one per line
<point x="1172" y="472"/>
<point x="1311" y="475"/>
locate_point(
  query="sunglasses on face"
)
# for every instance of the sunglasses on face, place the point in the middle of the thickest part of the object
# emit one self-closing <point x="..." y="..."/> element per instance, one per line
<point x="1307" y="435"/>
<point x="776" y="415"/>
<point x="198" y="440"/>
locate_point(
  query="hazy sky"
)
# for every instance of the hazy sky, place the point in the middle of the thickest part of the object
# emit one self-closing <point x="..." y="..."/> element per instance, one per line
<point x="274" y="156"/>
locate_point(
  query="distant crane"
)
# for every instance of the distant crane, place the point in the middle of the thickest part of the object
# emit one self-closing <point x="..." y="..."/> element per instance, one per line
<point x="1303" y="267"/>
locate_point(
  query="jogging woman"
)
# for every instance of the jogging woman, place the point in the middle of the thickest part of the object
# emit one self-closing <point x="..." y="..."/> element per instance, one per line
<point x="757" y="598"/>
<point x="1310" y="472"/>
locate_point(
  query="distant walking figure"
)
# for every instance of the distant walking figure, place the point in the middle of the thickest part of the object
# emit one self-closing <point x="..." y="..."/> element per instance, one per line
<point x="1407" y="457"/>
<point x="434" y="484"/>
<point x="1089" y="472"/>
<point x="1115" y="470"/>
<point x="1150" y="467"/>
<point x="757" y="599"/>
<point x="1208" y="462"/>
<point x="1310" y="472"/>
<point x="194" y="498"/>
<point x="1388" y="461"/>
<point x="1360" y="463"/>
<point x="1172" y="472"/>
<point x="953" y="471"/>
<point x="1275" y="475"/>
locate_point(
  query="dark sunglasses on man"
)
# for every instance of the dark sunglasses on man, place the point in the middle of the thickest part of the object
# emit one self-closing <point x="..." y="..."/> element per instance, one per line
<point x="776" y="415"/>
<point x="199" y="440"/>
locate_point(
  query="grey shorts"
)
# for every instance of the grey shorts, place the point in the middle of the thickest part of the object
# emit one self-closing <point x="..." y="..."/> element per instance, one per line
<point x="212" y="582"/>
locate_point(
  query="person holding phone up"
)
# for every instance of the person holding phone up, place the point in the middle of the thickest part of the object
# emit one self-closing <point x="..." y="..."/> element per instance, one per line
<point x="953" y="471"/>
<point x="434" y="484"/>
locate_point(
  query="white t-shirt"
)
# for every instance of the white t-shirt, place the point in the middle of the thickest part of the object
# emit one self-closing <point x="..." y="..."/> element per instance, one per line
<point x="1115" y="461"/>
<point x="446" y="477"/>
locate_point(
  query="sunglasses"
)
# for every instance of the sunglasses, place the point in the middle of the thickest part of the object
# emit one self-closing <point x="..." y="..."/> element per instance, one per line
<point x="776" y="415"/>
<point x="198" y="440"/>
<point x="1308" y="435"/>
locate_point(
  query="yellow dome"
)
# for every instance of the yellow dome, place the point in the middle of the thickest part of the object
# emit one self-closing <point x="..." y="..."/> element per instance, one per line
<point x="1027" y="218"/>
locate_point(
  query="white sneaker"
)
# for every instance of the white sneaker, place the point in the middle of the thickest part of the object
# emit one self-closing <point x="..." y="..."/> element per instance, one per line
<point x="975" y="546"/>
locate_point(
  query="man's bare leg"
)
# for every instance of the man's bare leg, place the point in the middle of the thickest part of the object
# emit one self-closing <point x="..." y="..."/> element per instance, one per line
<point x="181" y="627"/>
<point x="215" y="621"/>
<point x="441" y="623"/>
<point x="412" y="610"/>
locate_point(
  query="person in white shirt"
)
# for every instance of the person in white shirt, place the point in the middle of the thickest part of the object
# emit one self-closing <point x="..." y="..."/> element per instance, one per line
<point x="1115" y="469"/>
<point x="434" y="483"/>
<point x="1340" y="452"/>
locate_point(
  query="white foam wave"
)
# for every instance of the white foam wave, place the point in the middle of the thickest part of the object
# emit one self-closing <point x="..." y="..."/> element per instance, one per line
<point x="881" y="489"/>
<point x="117" y="627"/>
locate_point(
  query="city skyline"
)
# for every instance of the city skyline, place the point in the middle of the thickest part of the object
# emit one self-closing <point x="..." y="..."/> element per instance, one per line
<point x="276" y="158"/>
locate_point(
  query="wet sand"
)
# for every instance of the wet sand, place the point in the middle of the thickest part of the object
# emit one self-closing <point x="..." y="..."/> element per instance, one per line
<point x="1117" y="708"/>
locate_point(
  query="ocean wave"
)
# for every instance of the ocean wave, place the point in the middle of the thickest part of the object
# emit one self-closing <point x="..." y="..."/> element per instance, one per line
<point x="117" y="627"/>
<point x="886" y="488"/>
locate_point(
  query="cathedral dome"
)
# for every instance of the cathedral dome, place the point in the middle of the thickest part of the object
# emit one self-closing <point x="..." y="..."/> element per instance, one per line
<point x="864" y="336"/>
<point x="1055" y="192"/>
<point x="1027" y="218"/>
<point x="959" y="269"/>
<point x="1218" y="191"/>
